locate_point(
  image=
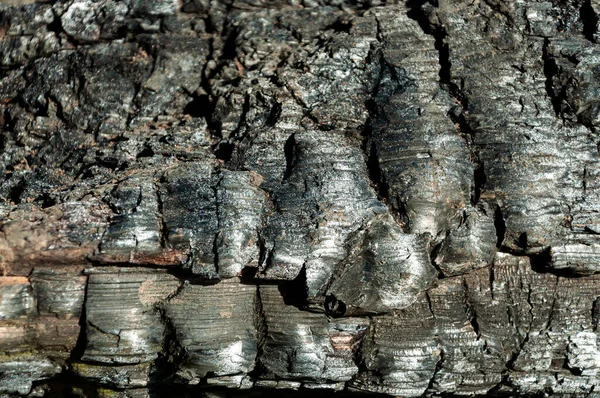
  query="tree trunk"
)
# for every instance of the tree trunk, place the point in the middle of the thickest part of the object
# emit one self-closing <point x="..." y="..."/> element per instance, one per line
<point x="212" y="196"/>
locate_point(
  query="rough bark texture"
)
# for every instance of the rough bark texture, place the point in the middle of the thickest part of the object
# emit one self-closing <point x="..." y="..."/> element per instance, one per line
<point x="358" y="196"/>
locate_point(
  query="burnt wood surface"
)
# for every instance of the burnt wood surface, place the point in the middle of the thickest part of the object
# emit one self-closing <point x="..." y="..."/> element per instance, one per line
<point x="299" y="198"/>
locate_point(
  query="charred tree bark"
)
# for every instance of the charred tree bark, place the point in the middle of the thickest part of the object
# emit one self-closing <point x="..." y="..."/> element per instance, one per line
<point x="215" y="196"/>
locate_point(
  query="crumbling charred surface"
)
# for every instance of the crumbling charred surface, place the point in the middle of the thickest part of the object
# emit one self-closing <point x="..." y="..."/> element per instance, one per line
<point x="215" y="326"/>
<point x="208" y="197"/>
